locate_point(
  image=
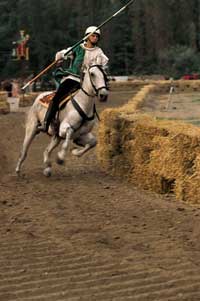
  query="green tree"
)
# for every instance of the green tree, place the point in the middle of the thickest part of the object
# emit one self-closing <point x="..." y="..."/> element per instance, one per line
<point x="135" y="41"/>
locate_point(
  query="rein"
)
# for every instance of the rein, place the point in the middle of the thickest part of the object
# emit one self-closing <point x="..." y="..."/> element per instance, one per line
<point x="86" y="92"/>
<point x="81" y="112"/>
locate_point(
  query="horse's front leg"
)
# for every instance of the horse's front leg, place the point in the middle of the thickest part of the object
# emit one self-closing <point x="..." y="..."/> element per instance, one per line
<point x="88" y="141"/>
<point x="62" y="153"/>
<point x="47" y="153"/>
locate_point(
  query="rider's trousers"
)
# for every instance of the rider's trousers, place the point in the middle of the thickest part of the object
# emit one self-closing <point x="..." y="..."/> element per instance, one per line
<point x="65" y="89"/>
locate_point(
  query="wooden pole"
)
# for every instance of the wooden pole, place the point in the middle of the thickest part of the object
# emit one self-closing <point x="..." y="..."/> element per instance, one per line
<point x="78" y="43"/>
<point x="37" y="76"/>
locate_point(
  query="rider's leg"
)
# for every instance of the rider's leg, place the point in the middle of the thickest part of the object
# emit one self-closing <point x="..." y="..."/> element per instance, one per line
<point x="51" y="112"/>
<point x="67" y="87"/>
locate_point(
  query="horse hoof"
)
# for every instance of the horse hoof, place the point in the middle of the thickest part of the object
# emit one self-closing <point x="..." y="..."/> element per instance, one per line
<point x="59" y="161"/>
<point x="47" y="172"/>
<point x="76" y="152"/>
<point x="17" y="172"/>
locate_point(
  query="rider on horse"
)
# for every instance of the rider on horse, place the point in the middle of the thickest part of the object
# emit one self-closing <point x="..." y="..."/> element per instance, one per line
<point x="82" y="57"/>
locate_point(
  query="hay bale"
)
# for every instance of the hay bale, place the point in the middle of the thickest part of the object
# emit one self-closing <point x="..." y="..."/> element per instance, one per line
<point x="161" y="87"/>
<point x="127" y="85"/>
<point x="188" y="85"/>
<point x="4" y="106"/>
<point x="4" y="109"/>
<point x="156" y="155"/>
<point x="3" y="96"/>
<point x="137" y="102"/>
<point x="162" y="156"/>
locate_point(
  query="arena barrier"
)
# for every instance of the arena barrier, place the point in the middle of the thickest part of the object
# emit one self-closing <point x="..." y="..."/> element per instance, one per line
<point x="158" y="155"/>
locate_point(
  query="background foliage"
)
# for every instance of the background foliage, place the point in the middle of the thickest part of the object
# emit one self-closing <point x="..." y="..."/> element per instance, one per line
<point x="150" y="36"/>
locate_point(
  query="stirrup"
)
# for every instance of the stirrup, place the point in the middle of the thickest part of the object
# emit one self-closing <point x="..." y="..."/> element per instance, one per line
<point x="42" y="127"/>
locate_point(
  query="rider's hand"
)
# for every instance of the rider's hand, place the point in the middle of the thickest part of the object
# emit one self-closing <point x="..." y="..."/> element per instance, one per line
<point x="60" y="55"/>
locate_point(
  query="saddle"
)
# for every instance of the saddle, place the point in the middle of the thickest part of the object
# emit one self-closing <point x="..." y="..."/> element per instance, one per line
<point x="46" y="99"/>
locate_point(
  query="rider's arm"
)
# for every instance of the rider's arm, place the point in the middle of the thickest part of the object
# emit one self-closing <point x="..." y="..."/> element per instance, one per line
<point x="78" y="57"/>
<point x="102" y="59"/>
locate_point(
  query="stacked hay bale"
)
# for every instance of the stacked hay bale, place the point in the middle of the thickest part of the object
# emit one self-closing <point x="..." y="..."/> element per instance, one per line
<point x="139" y="99"/>
<point x="4" y="106"/>
<point x="188" y="85"/>
<point x="163" y="156"/>
<point x="127" y="85"/>
<point x="28" y="99"/>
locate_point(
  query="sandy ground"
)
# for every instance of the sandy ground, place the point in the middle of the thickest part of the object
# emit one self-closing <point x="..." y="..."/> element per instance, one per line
<point x="84" y="235"/>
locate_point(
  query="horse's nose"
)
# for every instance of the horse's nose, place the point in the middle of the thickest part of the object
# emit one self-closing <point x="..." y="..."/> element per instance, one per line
<point x="103" y="95"/>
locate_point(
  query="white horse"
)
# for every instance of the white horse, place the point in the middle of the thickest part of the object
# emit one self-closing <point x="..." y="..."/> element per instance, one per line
<point x="76" y="120"/>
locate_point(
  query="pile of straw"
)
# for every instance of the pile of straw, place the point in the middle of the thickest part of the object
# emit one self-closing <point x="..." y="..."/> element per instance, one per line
<point x="4" y="106"/>
<point x="163" y="156"/>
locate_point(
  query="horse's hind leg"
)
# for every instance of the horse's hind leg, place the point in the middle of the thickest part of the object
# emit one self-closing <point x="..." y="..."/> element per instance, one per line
<point x="47" y="153"/>
<point x="88" y="141"/>
<point x="31" y="131"/>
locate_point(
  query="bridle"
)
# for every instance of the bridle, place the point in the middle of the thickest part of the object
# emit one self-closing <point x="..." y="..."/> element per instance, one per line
<point x="92" y="83"/>
<point x="75" y="103"/>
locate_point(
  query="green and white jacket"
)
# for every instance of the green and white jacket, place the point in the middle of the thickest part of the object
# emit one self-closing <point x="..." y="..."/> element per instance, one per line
<point x="81" y="58"/>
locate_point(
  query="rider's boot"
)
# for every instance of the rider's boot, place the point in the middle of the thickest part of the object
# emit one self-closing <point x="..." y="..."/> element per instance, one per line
<point x="47" y="119"/>
<point x="43" y="127"/>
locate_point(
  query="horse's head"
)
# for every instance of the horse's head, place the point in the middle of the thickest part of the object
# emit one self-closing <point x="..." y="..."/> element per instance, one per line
<point x="99" y="81"/>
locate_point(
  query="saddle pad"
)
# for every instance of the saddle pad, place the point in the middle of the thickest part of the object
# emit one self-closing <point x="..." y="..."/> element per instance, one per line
<point x="45" y="100"/>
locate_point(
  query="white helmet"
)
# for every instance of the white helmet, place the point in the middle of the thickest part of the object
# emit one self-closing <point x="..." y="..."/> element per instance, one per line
<point x="93" y="29"/>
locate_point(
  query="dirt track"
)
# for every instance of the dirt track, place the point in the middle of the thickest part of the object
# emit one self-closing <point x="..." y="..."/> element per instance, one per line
<point x="83" y="235"/>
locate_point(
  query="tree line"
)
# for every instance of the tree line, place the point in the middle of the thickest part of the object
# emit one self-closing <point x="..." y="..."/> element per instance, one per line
<point x="149" y="37"/>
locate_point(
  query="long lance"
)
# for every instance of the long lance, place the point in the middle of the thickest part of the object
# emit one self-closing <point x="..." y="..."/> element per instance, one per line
<point x="78" y="43"/>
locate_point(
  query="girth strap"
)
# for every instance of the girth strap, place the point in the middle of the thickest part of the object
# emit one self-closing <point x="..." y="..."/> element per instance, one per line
<point x="81" y="112"/>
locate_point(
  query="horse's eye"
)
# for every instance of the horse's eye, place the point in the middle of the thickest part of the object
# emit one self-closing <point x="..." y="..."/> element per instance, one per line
<point x="92" y="74"/>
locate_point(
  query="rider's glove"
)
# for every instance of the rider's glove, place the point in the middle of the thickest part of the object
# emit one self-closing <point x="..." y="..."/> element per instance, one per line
<point x="60" y="55"/>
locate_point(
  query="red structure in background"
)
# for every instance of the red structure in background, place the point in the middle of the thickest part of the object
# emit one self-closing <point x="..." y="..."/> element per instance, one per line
<point x="191" y="76"/>
<point x="21" y="49"/>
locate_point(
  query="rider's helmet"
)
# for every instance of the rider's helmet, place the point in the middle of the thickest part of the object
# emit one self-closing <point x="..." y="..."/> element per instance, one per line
<point x="93" y="29"/>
